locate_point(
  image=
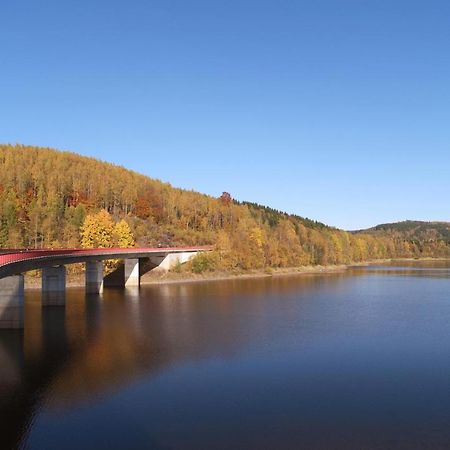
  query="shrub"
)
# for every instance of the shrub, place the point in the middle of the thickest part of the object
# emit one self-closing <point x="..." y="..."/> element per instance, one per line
<point x="204" y="262"/>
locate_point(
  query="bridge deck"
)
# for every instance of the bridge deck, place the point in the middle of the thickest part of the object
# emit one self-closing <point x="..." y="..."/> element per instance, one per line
<point x="15" y="261"/>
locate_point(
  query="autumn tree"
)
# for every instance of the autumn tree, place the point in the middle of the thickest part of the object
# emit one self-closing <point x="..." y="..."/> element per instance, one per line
<point x="97" y="230"/>
<point x="225" y="198"/>
<point x="123" y="237"/>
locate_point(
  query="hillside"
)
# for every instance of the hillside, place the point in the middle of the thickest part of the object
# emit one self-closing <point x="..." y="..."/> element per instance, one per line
<point x="414" y="230"/>
<point x="46" y="195"/>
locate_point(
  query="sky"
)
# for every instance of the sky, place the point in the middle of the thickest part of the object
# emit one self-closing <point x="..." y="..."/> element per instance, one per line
<point x="334" y="110"/>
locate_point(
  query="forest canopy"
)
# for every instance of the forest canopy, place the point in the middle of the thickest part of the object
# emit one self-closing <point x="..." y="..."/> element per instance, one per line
<point x="46" y="195"/>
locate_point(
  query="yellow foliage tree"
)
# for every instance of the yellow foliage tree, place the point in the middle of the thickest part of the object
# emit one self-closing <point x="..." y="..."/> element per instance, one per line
<point x="97" y="230"/>
<point x="257" y="236"/>
<point x="123" y="237"/>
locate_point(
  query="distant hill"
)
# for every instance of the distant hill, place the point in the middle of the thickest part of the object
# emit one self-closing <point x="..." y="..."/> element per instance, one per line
<point x="46" y="195"/>
<point x="413" y="230"/>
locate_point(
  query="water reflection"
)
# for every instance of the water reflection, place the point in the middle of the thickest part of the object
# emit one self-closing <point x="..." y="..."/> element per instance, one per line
<point x="96" y="344"/>
<point x="412" y="268"/>
<point x="138" y="332"/>
<point x="268" y="363"/>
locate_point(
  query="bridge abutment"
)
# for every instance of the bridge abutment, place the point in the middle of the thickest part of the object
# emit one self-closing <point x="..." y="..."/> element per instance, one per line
<point x="94" y="277"/>
<point x="54" y="286"/>
<point x="11" y="301"/>
<point x="172" y="259"/>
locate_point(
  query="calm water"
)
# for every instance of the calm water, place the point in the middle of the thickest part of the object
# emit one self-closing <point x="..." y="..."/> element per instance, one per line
<point x="359" y="360"/>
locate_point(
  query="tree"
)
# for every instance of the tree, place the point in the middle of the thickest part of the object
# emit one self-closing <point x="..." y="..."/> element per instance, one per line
<point x="123" y="237"/>
<point x="97" y="230"/>
<point x="225" y="198"/>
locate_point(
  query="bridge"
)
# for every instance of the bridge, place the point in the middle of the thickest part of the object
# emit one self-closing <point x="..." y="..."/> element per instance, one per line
<point x="52" y="263"/>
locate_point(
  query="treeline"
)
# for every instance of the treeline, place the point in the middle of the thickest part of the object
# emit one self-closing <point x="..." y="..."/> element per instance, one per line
<point x="415" y="230"/>
<point x="45" y="196"/>
<point x="273" y="216"/>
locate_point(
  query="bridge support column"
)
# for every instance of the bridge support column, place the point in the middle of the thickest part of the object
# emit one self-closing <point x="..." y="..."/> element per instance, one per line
<point x="132" y="276"/>
<point x="94" y="277"/>
<point x="11" y="302"/>
<point x="54" y="286"/>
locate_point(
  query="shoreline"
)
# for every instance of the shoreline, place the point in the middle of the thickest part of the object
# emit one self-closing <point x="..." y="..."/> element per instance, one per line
<point x="158" y="278"/>
<point x="77" y="280"/>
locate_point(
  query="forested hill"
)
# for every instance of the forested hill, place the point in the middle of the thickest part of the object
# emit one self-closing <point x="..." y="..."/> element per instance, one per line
<point x="273" y="216"/>
<point x="414" y="231"/>
<point x="46" y="196"/>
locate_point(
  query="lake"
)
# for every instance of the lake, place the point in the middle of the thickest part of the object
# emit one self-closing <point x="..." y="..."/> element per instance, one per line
<point x="352" y="360"/>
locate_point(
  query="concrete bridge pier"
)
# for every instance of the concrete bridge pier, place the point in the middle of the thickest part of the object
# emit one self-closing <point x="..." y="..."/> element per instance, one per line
<point x="11" y="302"/>
<point x="54" y="286"/>
<point x="94" y="277"/>
<point x="132" y="275"/>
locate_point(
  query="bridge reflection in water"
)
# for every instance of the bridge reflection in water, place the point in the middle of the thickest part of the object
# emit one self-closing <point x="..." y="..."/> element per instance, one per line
<point x="95" y="345"/>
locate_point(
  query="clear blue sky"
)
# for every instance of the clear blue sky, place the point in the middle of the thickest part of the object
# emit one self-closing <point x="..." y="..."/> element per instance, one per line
<point x="335" y="110"/>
